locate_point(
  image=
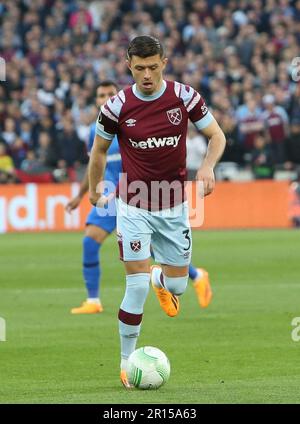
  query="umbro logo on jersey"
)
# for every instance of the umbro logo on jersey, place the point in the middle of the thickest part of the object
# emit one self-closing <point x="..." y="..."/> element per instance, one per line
<point x="152" y="142"/>
<point x="174" y="116"/>
<point x="130" y="122"/>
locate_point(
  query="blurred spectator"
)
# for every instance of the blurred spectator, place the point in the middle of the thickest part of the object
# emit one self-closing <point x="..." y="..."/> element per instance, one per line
<point x="294" y="202"/>
<point x="61" y="173"/>
<point x="44" y="124"/>
<point x="294" y="109"/>
<point x="18" y="151"/>
<point x="250" y="122"/>
<point x="262" y="158"/>
<point x="26" y="132"/>
<point x="81" y="17"/>
<point x="9" y="134"/>
<point x="234" y="151"/>
<point x="276" y="121"/>
<point x="234" y="53"/>
<point x="6" y="166"/>
<point x="45" y="94"/>
<point x="30" y="164"/>
<point x="71" y="149"/>
<point x="46" y="152"/>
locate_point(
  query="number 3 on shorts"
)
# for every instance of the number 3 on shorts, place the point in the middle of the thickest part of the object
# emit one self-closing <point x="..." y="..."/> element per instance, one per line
<point x="186" y="234"/>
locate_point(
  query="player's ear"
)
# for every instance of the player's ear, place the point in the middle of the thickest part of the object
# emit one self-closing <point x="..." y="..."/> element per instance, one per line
<point x="128" y="64"/>
<point x="164" y="61"/>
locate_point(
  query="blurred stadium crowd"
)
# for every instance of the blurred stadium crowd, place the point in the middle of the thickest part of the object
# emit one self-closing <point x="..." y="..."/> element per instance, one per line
<point x="240" y="55"/>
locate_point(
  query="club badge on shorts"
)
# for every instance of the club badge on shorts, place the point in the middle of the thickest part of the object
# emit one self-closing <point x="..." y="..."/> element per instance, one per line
<point x="175" y="116"/>
<point x="136" y="245"/>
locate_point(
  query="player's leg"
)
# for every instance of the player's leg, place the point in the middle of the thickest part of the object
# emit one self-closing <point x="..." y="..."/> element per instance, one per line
<point x="172" y="246"/>
<point x="193" y="272"/>
<point x="134" y="242"/>
<point x="131" y="310"/>
<point x="97" y="230"/>
<point x="201" y="284"/>
<point x="91" y="244"/>
<point x="168" y="283"/>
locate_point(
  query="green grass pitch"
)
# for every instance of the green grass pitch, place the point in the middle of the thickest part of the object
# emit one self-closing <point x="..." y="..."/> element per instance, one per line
<point x="239" y="350"/>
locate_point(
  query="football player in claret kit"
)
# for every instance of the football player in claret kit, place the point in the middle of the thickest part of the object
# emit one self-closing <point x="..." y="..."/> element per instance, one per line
<point x="150" y="119"/>
<point x="99" y="227"/>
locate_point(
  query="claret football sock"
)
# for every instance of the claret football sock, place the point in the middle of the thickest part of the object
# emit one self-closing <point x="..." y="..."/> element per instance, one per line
<point x="91" y="267"/>
<point x="131" y="311"/>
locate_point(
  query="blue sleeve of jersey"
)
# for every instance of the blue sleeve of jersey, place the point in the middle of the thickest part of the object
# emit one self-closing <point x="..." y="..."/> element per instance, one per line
<point x="91" y="137"/>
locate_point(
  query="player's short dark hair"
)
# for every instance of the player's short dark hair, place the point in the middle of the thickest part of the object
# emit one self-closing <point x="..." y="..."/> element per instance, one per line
<point x="145" y="46"/>
<point x="108" y="83"/>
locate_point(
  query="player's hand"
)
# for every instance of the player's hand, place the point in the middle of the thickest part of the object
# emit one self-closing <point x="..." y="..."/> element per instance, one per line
<point x="207" y="177"/>
<point x="73" y="204"/>
<point x="99" y="200"/>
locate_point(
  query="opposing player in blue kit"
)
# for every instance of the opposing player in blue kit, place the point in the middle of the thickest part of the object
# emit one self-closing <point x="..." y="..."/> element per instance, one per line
<point x="99" y="227"/>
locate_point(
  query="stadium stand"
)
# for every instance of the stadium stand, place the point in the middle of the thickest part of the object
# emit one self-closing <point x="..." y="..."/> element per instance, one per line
<point x="241" y="55"/>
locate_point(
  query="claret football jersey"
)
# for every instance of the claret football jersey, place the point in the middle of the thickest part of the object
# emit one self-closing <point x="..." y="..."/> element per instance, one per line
<point x="152" y="134"/>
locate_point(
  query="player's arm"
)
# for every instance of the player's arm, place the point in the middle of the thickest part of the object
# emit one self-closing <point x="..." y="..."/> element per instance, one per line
<point x="204" y="121"/>
<point x="215" y="149"/>
<point x="84" y="187"/>
<point x="96" y="170"/>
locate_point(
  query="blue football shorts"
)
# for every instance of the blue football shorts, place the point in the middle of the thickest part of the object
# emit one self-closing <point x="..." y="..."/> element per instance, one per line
<point x="106" y="221"/>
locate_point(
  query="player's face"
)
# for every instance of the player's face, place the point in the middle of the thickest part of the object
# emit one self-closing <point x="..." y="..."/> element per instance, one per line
<point x="104" y="93"/>
<point x="147" y="72"/>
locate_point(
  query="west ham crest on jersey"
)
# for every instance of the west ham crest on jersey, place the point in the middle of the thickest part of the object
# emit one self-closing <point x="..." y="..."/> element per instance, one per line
<point x="136" y="245"/>
<point x="175" y="116"/>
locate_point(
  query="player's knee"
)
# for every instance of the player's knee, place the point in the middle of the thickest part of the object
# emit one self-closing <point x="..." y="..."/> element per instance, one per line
<point x="176" y="285"/>
<point x="96" y="233"/>
<point x="137" y="267"/>
<point x="140" y="290"/>
<point x="137" y="288"/>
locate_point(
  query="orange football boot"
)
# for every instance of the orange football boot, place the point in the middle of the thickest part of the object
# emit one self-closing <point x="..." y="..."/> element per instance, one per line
<point x="124" y="380"/>
<point x="168" y="301"/>
<point x="88" y="308"/>
<point x="203" y="289"/>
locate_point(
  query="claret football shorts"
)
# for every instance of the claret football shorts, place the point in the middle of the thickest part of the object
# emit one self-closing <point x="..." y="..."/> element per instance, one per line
<point x="167" y="231"/>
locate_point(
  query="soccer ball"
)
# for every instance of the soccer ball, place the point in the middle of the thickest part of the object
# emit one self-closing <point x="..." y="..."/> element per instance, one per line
<point x="148" y="368"/>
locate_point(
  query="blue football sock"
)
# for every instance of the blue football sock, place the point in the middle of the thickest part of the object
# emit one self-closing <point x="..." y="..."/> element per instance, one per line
<point x="91" y="267"/>
<point x="193" y="273"/>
